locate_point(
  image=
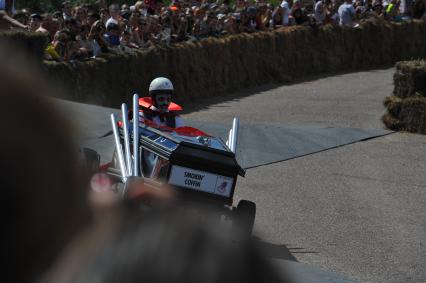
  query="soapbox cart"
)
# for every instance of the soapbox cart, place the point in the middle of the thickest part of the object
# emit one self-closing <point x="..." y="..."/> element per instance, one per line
<point x="200" y="168"/>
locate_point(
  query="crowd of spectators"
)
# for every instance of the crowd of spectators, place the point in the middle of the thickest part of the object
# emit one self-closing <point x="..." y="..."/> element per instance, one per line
<point x="89" y="30"/>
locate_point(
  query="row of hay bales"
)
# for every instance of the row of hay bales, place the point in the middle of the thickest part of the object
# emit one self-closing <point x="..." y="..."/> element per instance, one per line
<point x="215" y="66"/>
<point x="406" y="109"/>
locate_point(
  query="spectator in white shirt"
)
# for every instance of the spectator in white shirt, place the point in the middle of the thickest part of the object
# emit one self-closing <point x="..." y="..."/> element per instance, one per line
<point x="286" y="12"/>
<point x="114" y="12"/>
<point x="66" y="10"/>
<point x="319" y="12"/>
<point x="347" y="14"/>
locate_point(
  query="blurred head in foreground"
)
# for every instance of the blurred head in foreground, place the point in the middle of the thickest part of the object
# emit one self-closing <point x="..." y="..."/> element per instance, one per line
<point x="43" y="203"/>
<point x="170" y="245"/>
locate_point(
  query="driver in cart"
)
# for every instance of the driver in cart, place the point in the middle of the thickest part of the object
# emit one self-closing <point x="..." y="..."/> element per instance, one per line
<point x="158" y="110"/>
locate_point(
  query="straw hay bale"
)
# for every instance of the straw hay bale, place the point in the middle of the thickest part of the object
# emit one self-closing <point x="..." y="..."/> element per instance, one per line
<point x="216" y="66"/>
<point x="407" y="114"/>
<point x="410" y="78"/>
<point x="406" y="110"/>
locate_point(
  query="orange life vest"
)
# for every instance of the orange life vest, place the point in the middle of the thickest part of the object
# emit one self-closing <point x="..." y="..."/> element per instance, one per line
<point x="167" y="117"/>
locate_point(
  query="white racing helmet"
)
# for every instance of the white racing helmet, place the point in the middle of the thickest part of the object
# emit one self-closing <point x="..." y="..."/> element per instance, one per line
<point x="160" y="84"/>
<point x="161" y="91"/>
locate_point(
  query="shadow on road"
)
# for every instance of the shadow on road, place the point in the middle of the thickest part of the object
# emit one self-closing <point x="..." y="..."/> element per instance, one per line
<point x="205" y="103"/>
<point x="281" y="251"/>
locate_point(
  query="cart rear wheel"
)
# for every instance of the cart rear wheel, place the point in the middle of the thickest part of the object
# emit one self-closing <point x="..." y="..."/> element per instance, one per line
<point x="92" y="160"/>
<point x="246" y="213"/>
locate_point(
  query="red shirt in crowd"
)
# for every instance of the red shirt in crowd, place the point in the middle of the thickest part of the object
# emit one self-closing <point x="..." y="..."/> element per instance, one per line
<point x="150" y="4"/>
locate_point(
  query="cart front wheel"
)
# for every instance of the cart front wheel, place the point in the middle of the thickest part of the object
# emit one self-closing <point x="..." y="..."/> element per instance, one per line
<point x="246" y="213"/>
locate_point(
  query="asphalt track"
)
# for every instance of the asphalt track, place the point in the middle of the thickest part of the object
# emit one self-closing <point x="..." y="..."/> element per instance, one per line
<point x="283" y="142"/>
<point x="358" y="210"/>
<point x="349" y="198"/>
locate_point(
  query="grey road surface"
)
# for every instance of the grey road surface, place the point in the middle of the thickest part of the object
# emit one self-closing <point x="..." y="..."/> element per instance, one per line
<point x="358" y="210"/>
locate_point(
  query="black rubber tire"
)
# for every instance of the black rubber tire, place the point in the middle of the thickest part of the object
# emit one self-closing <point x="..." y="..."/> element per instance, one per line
<point x="246" y="213"/>
<point x="92" y="160"/>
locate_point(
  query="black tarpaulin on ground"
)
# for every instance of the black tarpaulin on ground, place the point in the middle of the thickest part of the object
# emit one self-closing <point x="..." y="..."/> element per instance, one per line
<point x="258" y="144"/>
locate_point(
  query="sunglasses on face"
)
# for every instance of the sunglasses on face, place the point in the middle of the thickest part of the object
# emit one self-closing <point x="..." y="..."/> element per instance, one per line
<point x="163" y="99"/>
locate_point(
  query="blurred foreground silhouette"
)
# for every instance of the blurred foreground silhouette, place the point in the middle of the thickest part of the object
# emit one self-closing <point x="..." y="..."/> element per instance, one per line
<point x="170" y="245"/>
<point x="53" y="233"/>
<point x="43" y="199"/>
